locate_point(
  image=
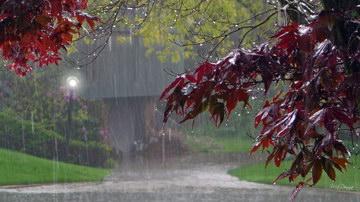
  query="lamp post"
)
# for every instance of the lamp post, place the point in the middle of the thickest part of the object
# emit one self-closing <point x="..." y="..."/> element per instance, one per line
<point x="72" y="83"/>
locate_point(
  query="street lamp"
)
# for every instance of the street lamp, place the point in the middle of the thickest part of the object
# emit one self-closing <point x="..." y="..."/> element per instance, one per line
<point x="72" y="83"/>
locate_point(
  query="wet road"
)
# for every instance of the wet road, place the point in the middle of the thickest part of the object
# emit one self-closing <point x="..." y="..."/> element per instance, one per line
<point x="182" y="179"/>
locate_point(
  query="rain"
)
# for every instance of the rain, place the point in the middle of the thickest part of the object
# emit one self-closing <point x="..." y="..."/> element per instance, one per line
<point x="92" y="129"/>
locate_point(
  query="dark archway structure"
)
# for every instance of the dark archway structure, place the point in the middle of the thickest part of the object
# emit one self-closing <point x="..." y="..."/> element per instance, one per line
<point x="128" y="80"/>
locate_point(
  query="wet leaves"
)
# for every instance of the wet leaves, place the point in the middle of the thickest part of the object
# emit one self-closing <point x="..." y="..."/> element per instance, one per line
<point x="316" y="171"/>
<point x="304" y="121"/>
<point x="34" y="31"/>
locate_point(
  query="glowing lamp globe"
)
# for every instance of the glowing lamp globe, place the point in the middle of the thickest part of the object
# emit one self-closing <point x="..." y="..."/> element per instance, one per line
<point x="72" y="82"/>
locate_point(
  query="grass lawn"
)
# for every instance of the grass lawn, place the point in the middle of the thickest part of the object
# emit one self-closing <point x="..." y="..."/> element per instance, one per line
<point x="218" y="144"/>
<point x="18" y="168"/>
<point x="349" y="180"/>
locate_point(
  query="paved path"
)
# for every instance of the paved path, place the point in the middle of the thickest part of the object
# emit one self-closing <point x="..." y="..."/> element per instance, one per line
<point x="179" y="180"/>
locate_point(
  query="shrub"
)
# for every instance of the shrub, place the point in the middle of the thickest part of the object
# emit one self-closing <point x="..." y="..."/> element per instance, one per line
<point x="34" y="139"/>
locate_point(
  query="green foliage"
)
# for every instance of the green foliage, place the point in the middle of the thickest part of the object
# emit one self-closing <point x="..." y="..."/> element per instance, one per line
<point x="18" y="169"/>
<point x="218" y="144"/>
<point x="174" y="29"/>
<point x="42" y="97"/>
<point x="197" y="23"/>
<point x="35" y="139"/>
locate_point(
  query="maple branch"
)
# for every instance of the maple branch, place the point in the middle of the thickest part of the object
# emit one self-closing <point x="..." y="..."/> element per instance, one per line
<point x="255" y="27"/>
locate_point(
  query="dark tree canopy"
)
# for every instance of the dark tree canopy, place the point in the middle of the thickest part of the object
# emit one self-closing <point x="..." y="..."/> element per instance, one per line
<point x="318" y="57"/>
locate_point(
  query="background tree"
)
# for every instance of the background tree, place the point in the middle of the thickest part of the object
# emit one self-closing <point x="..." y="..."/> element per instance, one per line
<point x="42" y="97"/>
<point x="33" y="115"/>
<point x="175" y="30"/>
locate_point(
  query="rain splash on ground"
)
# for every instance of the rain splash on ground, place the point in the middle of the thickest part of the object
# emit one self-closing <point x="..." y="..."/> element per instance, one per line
<point x="195" y="178"/>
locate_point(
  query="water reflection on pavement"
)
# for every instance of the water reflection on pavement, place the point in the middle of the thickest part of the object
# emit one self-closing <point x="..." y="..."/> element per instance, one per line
<point x="200" y="178"/>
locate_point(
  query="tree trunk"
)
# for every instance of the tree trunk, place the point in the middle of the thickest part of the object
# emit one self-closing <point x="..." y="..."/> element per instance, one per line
<point x="339" y="5"/>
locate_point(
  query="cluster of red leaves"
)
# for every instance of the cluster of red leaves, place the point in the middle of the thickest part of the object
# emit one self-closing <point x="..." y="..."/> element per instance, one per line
<point x="34" y="31"/>
<point x="323" y="76"/>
